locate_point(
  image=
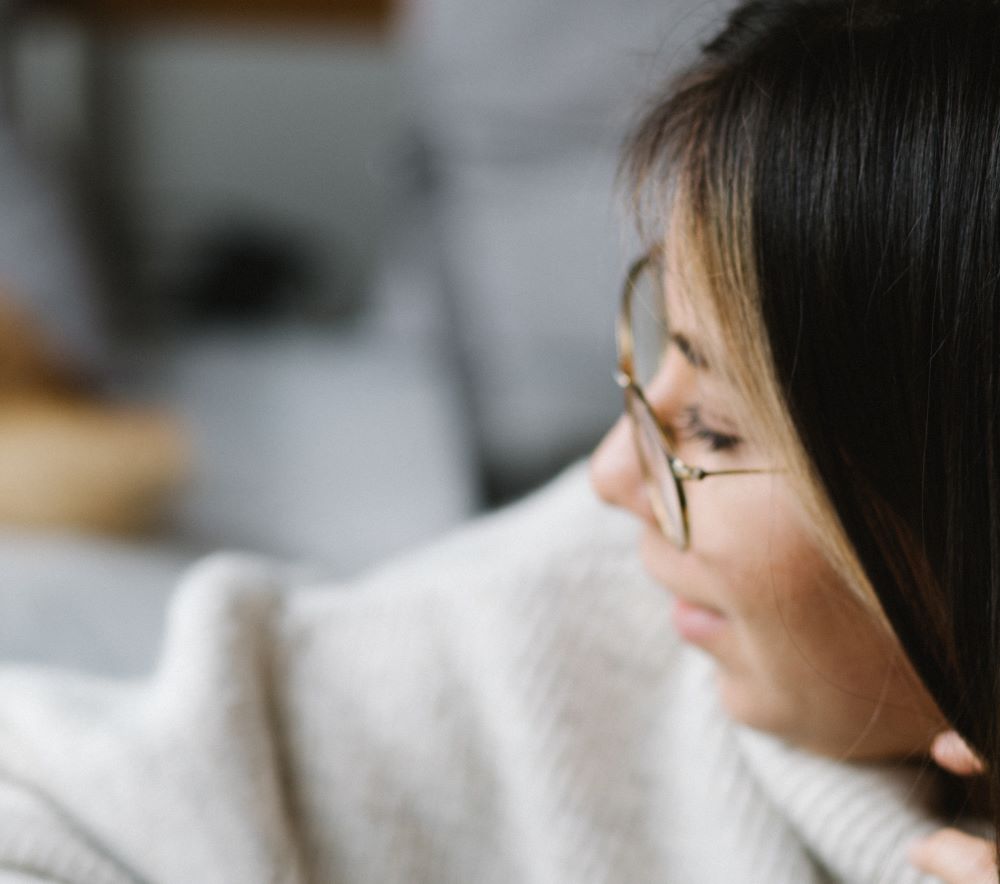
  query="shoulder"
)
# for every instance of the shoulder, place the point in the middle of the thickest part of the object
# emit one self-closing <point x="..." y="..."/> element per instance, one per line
<point x="558" y="560"/>
<point x="545" y="595"/>
<point x="276" y="689"/>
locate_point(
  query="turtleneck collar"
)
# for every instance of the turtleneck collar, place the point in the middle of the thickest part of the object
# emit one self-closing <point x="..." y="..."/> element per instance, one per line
<point x="857" y="819"/>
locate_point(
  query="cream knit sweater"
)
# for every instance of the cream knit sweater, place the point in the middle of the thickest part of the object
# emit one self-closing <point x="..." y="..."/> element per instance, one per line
<point x="509" y="705"/>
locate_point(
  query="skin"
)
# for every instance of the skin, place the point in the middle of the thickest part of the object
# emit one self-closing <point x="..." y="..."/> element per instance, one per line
<point x="797" y="656"/>
<point x="954" y="856"/>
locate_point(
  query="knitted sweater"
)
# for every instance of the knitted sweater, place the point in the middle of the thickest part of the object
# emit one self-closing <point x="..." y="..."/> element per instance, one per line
<point x="508" y="705"/>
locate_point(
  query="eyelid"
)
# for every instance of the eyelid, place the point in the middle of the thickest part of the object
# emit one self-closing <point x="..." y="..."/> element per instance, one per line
<point x="692" y="426"/>
<point x="691" y="353"/>
<point x="694" y="416"/>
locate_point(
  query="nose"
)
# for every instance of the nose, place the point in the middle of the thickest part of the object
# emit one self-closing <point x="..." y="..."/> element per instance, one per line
<point x="615" y="472"/>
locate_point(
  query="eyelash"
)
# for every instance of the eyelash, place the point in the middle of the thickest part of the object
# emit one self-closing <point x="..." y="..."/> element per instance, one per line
<point x="692" y="427"/>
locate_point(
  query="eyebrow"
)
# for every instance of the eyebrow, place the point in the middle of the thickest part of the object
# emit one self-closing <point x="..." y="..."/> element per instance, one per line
<point x="690" y="351"/>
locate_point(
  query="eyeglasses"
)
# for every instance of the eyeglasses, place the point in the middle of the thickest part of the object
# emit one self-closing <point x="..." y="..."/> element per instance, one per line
<point x="643" y="336"/>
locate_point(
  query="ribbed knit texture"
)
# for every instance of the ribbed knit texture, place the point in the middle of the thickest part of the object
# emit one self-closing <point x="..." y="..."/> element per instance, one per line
<point x="508" y="705"/>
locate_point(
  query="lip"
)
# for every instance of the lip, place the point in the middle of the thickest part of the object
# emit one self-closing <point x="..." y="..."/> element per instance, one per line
<point x="656" y="554"/>
<point x="697" y="624"/>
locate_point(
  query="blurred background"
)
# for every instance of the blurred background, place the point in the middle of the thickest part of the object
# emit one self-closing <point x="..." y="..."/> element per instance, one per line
<point x="314" y="278"/>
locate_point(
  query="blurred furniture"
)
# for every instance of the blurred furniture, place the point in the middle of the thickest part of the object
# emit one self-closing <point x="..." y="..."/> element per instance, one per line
<point x="334" y="446"/>
<point x="504" y="268"/>
<point x="44" y="265"/>
<point x="332" y="450"/>
<point x="513" y="230"/>
<point x="103" y="163"/>
<point x="68" y="459"/>
<point x="81" y="464"/>
<point x="84" y="602"/>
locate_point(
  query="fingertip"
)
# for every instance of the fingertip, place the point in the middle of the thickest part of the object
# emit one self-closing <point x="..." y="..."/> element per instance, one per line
<point x="952" y="752"/>
<point x="916" y="851"/>
<point x="954" y="856"/>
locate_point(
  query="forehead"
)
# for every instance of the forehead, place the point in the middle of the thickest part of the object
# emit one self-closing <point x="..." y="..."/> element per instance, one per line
<point x="692" y="318"/>
<point x="687" y="305"/>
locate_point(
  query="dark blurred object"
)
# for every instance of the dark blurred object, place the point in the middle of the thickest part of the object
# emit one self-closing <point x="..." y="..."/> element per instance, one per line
<point x="246" y="274"/>
<point x="10" y="11"/>
<point x="103" y="165"/>
<point x="364" y="13"/>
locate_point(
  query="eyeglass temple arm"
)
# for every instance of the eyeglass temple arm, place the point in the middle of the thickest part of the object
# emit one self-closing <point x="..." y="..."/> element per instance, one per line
<point x="704" y="474"/>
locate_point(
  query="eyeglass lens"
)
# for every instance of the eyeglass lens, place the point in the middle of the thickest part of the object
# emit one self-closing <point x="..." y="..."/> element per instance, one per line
<point x="650" y="343"/>
<point x="650" y="329"/>
<point x="662" y="487"/>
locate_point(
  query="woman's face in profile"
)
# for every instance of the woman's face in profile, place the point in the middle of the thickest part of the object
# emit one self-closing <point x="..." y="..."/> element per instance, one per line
<point x="797" y="655"/>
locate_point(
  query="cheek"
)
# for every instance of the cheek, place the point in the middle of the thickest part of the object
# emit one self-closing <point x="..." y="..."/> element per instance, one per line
<point x="740" y="536"/>
<point x="805" y="658"/>
<point x="795" y="620"/>
<point x="765" y="571"/>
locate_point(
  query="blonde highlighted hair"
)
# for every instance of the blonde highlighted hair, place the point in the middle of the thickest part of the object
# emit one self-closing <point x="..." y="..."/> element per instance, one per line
<point x="688" y="179"/>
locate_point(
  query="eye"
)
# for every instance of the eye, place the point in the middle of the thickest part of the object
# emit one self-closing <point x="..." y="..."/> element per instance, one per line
<point x="691" y="426"/>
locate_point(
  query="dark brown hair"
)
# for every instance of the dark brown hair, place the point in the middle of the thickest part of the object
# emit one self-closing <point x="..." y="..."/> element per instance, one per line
<point x="836" y="164"/>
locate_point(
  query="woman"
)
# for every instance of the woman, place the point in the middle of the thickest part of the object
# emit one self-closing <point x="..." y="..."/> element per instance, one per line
<point x="816" y="476"/>
<point x="831" y="172"/>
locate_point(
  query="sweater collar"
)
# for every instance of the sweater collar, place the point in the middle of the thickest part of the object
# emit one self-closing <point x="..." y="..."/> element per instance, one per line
<point x="857" y="819"/>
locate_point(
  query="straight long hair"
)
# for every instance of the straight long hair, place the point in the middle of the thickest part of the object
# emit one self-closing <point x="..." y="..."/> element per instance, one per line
<point x="834" y="168"/>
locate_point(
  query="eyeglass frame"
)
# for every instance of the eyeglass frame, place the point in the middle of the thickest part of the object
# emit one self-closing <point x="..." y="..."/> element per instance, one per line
<point x="680" y="471"/>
